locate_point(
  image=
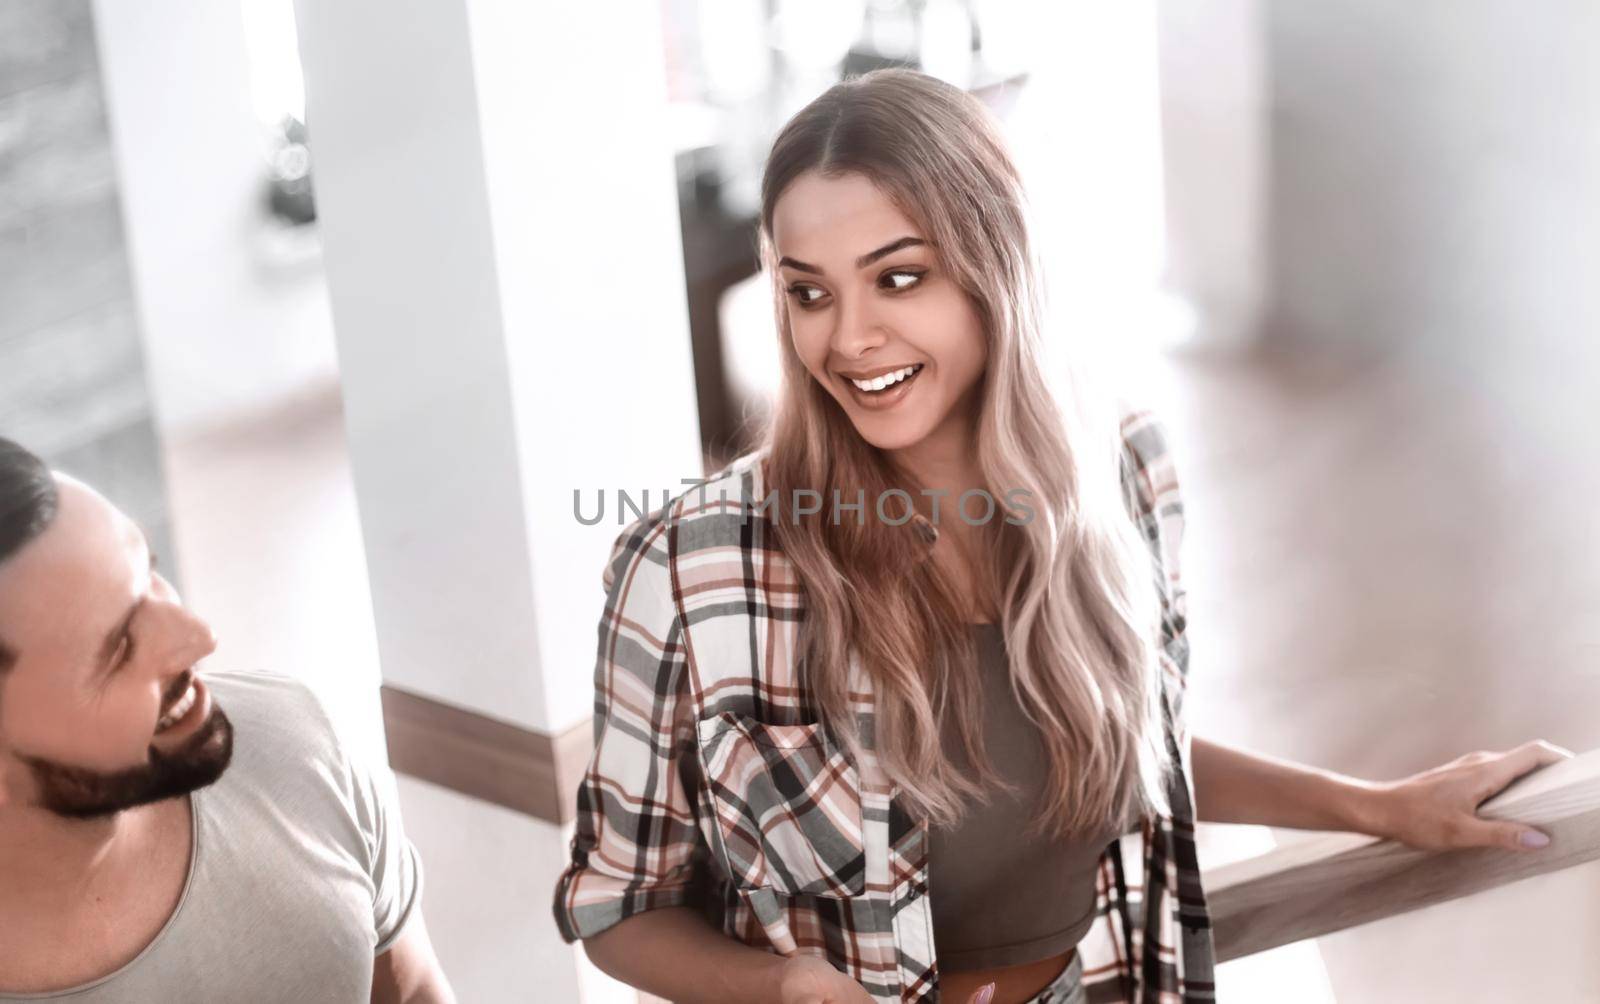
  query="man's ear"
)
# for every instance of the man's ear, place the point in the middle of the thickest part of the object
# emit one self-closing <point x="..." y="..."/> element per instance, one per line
<point x="12" y="777"/>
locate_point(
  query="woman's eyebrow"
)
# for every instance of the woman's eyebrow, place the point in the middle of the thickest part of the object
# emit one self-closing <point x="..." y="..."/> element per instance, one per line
<point x="897" y="244"/>
<point x="888" y="249"/>
<point x="798" y="266"/>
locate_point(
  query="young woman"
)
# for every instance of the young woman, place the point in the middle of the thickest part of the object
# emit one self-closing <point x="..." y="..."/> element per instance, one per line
<point x="881" y="704"/>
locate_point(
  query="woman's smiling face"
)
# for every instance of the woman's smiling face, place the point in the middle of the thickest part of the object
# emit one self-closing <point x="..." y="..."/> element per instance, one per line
<point x="871" y="306"/>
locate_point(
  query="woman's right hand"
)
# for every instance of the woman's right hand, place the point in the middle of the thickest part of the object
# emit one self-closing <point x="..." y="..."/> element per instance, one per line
<point x="807" y="979"/>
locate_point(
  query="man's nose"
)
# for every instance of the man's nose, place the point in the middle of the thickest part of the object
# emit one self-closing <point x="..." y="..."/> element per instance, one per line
<point x="186" y="637"/>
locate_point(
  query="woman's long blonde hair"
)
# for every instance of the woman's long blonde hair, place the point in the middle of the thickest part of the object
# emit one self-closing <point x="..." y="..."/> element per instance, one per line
<point x="1078" y="600"/>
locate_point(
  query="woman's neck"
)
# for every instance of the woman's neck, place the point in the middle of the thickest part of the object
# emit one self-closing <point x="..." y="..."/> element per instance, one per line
<point x="944" y="461"/>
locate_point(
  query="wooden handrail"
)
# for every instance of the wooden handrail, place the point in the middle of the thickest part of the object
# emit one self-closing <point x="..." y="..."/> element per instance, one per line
<point x="1336" y="881"/>
<point x="1333" y="882"/>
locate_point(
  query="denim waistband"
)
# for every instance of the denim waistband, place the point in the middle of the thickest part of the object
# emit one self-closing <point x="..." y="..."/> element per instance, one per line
<point x="1066" y="988"/>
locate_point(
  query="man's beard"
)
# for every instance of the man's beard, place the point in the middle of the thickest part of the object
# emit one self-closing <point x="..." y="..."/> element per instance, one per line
<point x="80" y="793"/>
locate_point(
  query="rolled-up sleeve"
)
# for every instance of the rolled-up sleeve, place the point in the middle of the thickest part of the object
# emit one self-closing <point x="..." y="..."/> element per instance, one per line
<point x="1150" y="481"/>
<point x="635" y="837"/>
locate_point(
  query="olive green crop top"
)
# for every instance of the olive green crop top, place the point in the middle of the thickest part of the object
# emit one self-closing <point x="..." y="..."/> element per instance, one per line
<point x="998" y="897"/>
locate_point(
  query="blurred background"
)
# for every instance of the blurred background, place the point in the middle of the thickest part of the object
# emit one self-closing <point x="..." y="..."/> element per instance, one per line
<point x="344" y="302"/>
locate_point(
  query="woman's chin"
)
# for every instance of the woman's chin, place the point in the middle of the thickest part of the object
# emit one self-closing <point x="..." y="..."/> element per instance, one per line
<point x="891" y="436"/>
<point x="895" y="428"/>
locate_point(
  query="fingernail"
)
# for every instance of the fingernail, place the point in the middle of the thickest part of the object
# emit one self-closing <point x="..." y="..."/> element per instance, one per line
<point x="984" y="995"/>
<point x="1533" y="838"/>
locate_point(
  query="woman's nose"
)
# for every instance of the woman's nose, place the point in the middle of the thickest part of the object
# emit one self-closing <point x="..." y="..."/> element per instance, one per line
<point x="858" y="330"/>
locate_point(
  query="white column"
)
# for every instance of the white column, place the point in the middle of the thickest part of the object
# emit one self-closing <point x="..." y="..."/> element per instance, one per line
<point x="501" y="239"/>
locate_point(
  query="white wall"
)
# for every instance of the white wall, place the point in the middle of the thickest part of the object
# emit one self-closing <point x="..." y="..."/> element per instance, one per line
<point x="1214" y="142"/>
<point x="1436" y="177"/>
<point x="1418" y="177"/>
<point x="1086" y="135"/>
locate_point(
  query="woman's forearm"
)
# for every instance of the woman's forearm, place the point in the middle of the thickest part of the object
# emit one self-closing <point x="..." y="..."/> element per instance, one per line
<point x="673" y="952"/>
<point x="1235" y="786"/>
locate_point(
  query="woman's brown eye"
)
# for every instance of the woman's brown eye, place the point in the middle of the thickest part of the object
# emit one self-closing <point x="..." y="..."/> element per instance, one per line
<point x="901" y="280"/>
<point x="803" y="294"/>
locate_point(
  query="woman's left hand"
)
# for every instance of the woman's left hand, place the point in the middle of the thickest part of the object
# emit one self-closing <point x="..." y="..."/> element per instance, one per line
<point x="1437" y="809"/>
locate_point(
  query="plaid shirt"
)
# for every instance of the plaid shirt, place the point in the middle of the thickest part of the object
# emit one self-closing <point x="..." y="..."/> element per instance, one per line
<point x="713" y="785"/>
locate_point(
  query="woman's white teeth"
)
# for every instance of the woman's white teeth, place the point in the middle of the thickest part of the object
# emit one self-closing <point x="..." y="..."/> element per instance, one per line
<point x="178" y="710"/>
<point x="887" y="379"/>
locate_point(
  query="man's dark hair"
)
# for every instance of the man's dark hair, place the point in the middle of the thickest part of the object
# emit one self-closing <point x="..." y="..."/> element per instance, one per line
<point x="27" y="505"/>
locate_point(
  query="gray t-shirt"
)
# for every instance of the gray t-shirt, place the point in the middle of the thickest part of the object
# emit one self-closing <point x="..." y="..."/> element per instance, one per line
<point x="301" y="873"/>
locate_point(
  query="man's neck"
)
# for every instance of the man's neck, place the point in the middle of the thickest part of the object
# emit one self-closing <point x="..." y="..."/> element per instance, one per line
<point x="41" y="851"/>
<point x="84" y="897"/>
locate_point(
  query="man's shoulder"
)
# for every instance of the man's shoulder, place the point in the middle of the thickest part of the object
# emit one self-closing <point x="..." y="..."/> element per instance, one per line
<point x="291" y="764"/>
<point x="274" y="699"/>
<point x="280" y="726"/>
<point x="258" y="687"/>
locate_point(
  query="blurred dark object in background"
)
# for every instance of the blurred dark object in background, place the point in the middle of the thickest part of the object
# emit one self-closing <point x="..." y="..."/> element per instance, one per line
<point x="289" y="195"/>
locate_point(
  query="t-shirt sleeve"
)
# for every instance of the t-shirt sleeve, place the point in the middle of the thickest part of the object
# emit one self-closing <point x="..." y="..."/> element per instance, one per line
<point x="334" y="796"/>
<point x="392" y="862"/>
<point x="634" y="843"/>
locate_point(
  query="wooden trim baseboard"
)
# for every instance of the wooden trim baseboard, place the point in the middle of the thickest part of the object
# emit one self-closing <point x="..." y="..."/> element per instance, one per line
<point x="521" y="769"/>
<point x="1342" y="880"/>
